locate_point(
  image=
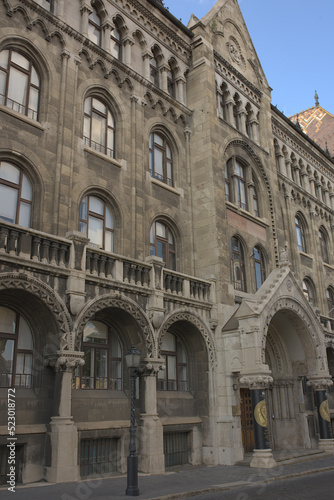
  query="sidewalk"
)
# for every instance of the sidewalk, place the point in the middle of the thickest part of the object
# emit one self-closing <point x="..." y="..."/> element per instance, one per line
<point x="177" y="483"/>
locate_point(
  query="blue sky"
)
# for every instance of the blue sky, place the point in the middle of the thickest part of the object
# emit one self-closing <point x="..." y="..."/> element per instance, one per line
<point x="294" y="40"/>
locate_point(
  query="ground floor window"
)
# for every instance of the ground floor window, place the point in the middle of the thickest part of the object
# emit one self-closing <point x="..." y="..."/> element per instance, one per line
<point x="176" y="448"/>
<point x="98" y="456"/>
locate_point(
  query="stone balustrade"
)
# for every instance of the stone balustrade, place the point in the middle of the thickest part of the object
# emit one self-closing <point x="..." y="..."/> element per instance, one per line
<point x="34" y="245"/>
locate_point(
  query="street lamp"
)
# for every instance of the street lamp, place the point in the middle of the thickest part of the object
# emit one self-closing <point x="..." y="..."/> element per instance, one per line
<point x="132" y="358"/>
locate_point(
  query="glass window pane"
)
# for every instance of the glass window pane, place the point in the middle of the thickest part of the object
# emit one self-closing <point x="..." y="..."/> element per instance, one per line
<point x="87" y="378"/>
<point x="18" y="87"/>
<point x="86" y="131"/>
<point x="109" y="241"/>
<point x="109" y="218"/>
<point x="3" y="79"/>
<point x="9" y="173"/>
<point x="158" y="162"/>
<point x="20" y="60"/>
<point x="33" y="99"/>
<point x="95" y="231"/>
<point x="98" y="129"/>
<point x="101" y="362"/>
<point x="171" y="361"/>
<point x="4" y="59"/>
<point x="95" y="331"/>
<point x="99" y="106"/>
<point x="7" y="320"/>
<point x="34" y="77"/>
<point x="116" y="351"/>
<point x="88" y="105"/>
<point x="152" y="234"/>
<point x="158" y="139"/>
<point x="83" y="227"/>
<point x="8" y="203"/>
<point x="25" y="336"/>
<point x="24" y="215"/>
<point x="26" y="191"/>
<point x="258" y="276"/>
<point x="7" y="353"/>
<point x="161" y="250"/>
<point x="96" y="205"/>
<point x="83" y="208"/>
<point x="160" y="229"/>
<point x="169" y="342"/>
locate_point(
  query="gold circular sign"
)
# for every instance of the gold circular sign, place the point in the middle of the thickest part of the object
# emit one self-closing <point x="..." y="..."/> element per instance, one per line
<point x="324" y="410"/>
<point x="260" y="413"/>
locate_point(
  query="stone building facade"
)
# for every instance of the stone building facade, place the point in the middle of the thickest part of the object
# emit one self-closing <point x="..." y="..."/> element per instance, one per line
<point x="152" y="195"/>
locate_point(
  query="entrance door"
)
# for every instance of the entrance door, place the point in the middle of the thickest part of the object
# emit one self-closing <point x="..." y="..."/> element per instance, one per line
<point x="247" y="430"/>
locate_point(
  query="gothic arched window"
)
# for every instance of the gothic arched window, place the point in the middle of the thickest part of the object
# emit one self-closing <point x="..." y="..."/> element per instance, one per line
<point x="15" y="195"/>
<point x="162" y="243"/>
<point x="16" y="350"/>
<point x="19" y="83"/>
<point x="99" y="126"/>
<point x="97" y="222"/>
<point x="174" y="377"/>
<point x="238" y="265"/>
<point x="102" y="356"/>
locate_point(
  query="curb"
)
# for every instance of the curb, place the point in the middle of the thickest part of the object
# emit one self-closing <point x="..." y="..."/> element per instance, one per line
<point x="231" y="486"/>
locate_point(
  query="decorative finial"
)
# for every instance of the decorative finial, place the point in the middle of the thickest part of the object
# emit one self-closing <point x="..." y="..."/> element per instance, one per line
<point x="316" y="97"/>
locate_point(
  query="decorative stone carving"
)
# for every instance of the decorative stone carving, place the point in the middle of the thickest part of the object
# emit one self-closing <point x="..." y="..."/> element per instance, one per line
<point x="256" y="381"/>
<point x="121" y="302"/>
<point x="320" y="384"/>
<point x="185" y="315"/>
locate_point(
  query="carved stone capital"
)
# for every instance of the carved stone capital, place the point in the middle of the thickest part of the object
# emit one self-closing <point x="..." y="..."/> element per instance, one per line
<point x="152" y="366"/>
<point x="65" y="361"/>
<point x="257" y="381"/>
<point x="320" y="383"/>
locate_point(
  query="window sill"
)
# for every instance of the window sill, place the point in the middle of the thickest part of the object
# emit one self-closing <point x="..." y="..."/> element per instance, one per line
<point x="329" y="266"/>
<point x="165" y="186"/>
<point x="262" y="222"/>
<point x="103" y="156"/>
<point x="306" y="255"/>
<point x="21" y="117"/>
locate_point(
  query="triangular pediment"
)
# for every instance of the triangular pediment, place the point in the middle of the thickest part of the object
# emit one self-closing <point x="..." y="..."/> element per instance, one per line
<point x="280" y="286"/>
<point x="231" y="40"/>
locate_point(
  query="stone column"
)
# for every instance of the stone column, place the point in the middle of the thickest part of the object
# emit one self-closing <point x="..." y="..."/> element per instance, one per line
<point x="242" y="121"/>
<point x="262" y="456"/>
<point x="146" y="58"/>
<point x="163" y="78"/>
<point x="85" y="10"/>
<point x="320" y="386"/>
<point x="127" y="44"/>
<point x="150" y="430"/>
<point x="63" y="433"/>
<point x="106" y="41"/>
<point x="180" y="86"/>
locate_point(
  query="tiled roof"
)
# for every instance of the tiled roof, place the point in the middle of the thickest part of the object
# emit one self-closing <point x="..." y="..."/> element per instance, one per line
<point x="318" y="124"/>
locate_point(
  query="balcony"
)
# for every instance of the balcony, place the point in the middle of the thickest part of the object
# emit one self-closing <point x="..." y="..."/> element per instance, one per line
<point x="26" y="249"/>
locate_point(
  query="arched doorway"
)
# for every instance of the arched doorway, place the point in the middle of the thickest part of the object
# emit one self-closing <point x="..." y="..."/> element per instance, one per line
<point x="291" y="357"/>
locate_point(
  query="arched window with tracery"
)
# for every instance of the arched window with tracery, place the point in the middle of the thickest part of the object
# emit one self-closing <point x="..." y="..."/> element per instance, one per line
<point x="95" y="27"/>
<point x="259" y="266"/>
<point x="330" y="302"/>
<point x="238" y="265"/>
<point x="308" y="290"/>
<point x="154" y="69"/>
<point x="103" y="358"/>
<point x="300" y="233"/>
<point x="162" y="243"/>
<point x="19" y="83"/>
<point x="97" y="222"/>
<point x="323" y="240"/>
<point x="99" y="126"/>
<point x="16" y="350"/>
<point x="15" y="195"/>
<point x="116" y="43"/>
<point x="174" y="377"/>
<point x="160" y="158"/>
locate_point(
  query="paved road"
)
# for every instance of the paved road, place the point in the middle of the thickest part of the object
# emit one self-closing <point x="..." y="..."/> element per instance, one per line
<point x="315" y="486"/>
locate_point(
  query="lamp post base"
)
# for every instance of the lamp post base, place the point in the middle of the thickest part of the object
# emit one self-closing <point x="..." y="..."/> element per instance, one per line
<point x="132" y="489"/>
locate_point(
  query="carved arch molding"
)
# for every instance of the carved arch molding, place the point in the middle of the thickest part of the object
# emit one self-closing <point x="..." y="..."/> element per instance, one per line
<point x="191" y="318"/>
<point x="123" y="303"/>
<point x="44" y="293"/>
<point x="311" y="340"/>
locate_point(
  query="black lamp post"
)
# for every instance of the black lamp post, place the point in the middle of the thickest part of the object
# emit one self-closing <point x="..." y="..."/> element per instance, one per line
<point x="132" y="358"/>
